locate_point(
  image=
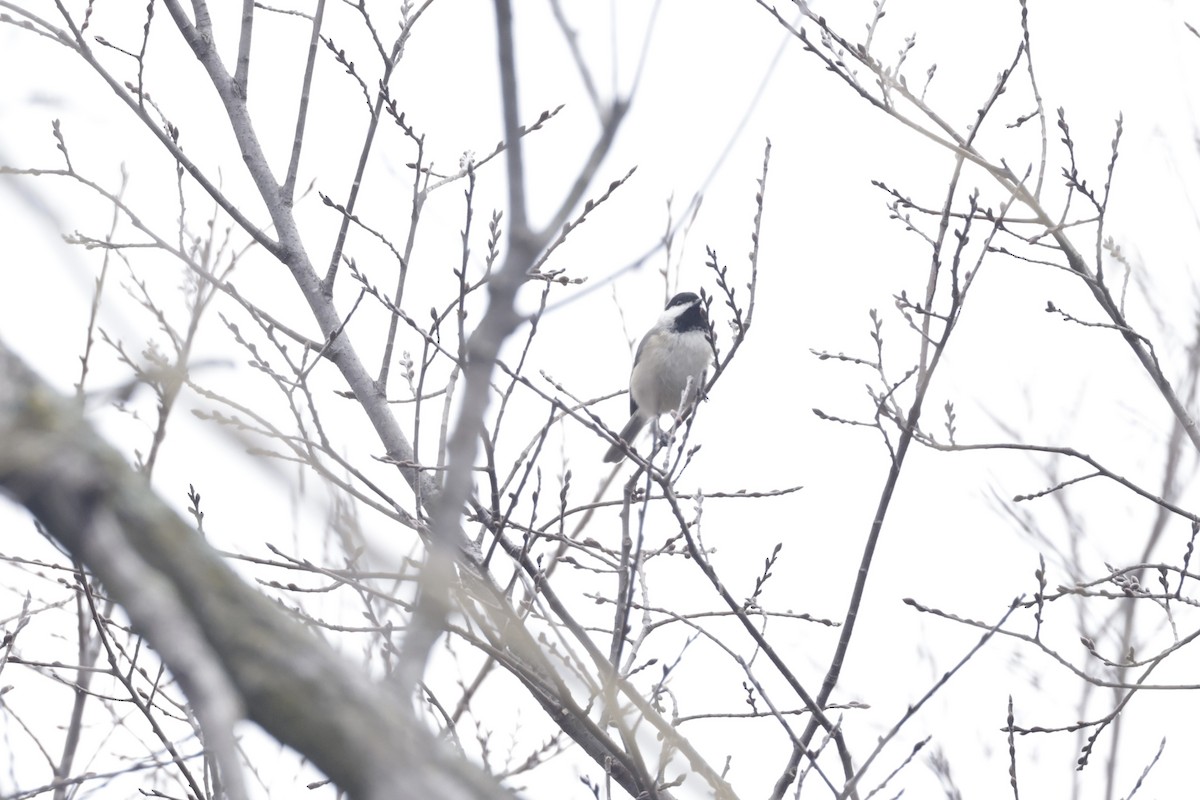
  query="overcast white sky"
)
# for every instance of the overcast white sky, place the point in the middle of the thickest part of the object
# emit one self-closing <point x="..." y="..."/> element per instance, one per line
<point x="829" y="254"/>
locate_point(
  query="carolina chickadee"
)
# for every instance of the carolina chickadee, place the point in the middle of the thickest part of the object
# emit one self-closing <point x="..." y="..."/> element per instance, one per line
<point x="672" y="353"/>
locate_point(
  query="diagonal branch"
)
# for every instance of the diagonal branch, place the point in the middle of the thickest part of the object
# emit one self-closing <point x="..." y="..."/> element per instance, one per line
<point x="361" y="734"/>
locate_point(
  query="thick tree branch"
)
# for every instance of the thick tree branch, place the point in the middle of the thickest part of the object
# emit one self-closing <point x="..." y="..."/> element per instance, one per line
<point x="363" y="735"/>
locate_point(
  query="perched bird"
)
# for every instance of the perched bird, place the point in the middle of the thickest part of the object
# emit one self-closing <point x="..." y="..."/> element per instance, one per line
<point x="671" y="359"/>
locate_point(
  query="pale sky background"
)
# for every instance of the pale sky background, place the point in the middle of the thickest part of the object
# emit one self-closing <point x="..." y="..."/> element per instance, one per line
<point x="829" y="254"/>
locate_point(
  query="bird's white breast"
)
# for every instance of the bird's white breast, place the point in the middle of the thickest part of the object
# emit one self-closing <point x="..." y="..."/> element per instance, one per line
<point x="670" y="360"/>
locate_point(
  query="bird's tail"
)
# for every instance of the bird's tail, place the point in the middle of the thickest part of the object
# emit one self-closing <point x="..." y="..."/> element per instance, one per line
<point x="628" y="433"/>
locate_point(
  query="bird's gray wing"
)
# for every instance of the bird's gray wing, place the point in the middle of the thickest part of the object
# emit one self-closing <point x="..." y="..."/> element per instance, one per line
<point x="636" y="358"/>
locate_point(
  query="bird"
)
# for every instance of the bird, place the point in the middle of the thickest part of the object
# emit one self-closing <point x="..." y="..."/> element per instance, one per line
<point x="671" y="359"/>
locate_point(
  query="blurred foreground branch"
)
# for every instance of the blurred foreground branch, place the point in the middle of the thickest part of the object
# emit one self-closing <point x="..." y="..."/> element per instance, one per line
<point x="361" y="734"/>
